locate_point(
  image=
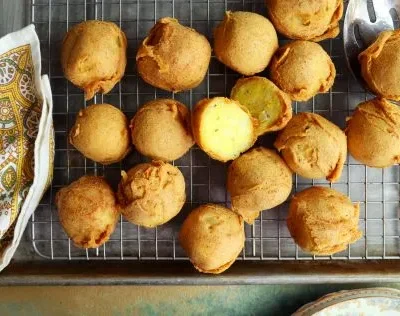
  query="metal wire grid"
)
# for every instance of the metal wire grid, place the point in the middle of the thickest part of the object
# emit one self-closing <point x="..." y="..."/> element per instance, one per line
<point x="268" y="239"/>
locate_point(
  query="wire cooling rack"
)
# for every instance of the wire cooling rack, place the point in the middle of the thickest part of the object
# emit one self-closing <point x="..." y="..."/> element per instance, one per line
<point x="377" y="190"/>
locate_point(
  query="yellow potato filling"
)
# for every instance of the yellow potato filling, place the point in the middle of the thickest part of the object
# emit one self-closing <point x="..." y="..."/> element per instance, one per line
<point x="261" y="99"/>
<point x="226" y="129"/>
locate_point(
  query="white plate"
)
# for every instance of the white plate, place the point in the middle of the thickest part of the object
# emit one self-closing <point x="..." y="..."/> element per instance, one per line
<point x="366" y="302"/>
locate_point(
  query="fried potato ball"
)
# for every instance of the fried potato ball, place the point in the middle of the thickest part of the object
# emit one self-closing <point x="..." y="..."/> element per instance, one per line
<point x="266" y="102"/>
<point x="88" y="211"/>
<point x="258" y="180"/>
<point x="323" y="221"/>
<point x="173" y="57"/>
<point x="161" y="130"/>
<point x="373" y="133"/>
<point x="302" y="69"/>
<point x="223" y="128"/>
<point x="313" y="147"/>
<point x="245" y="42"/>
<point x="93" y="56"/>
<point x="212" y="237"/>
<point x="380" y="65"/>
<point x="313" y="20"/>
<point x="151" y="194"/>
<point x="101" y="133"/>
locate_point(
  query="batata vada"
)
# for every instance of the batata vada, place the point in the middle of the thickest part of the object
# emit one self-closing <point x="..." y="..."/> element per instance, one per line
<point x="93" y="56"/>
<point x="212" y="237"/>
<point x="88" y="211"/>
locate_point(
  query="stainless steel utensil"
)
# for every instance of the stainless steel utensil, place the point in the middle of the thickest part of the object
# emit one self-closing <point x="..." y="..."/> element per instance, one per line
<point x="363" y="22"/>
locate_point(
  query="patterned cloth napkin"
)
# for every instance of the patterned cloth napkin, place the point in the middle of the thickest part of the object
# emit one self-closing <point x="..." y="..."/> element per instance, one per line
<point x="26" y="136"/>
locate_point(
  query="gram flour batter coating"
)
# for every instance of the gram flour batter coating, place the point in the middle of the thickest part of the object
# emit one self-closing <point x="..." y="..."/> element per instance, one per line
<point x="151" y="194"/>
<point x="312" y="20"/>
<point x="173" y="57"/>
<point x="313" y="147"/>
<point x="101" y="133"/>
<point x="302" y="69"/>
<point x="373" y="133"/>
<point x="323" y="221"/>
<point x="161" y="130"/>
<point x="380" y="65"/>
<point x="88" y="211"/>
<point x="93" y="56"/>
<point x="258" y="180"/>
<point x="212" y="237"/>
<point x="245" y="42"/>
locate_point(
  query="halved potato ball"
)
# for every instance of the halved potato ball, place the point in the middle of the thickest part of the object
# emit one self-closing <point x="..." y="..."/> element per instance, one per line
<point x="313" y="147"/>
<point x="212" y="237"/>
<point x="161" y="130"/>
<point x="266" y="102"/>
<point x="313" y="20"/>
<point x="258" y="180"/>
<point x="101" y="133"/>
<point x="380" y="65"/>
<point x="88" y="211"/>
<point x="93" y="56"/>
<point x="223" y="128"/>
<point x="245" y="42"/>
<point x="302" y="69"/>
<point x="373" y="133"/>
<point x="151" y="194"/>
<point x="173" y="57"/>
<point x="323" y="221"/>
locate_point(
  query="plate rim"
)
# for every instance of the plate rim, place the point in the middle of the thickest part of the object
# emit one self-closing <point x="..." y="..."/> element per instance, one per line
<point x="334" y="298"/>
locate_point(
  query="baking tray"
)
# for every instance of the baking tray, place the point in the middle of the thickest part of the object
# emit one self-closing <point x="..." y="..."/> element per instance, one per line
<point x="139" y="255"/>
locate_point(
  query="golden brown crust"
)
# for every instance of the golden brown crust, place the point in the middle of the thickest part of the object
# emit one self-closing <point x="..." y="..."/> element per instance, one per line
<point x="245" y="42"/>
<point x="212" y="237"/>
<point x="380" y="64"/>
<point x="323" y="221"/>
<point x="151" y="194"/>
<point x="88" y="211"/>
<point x="373" y="133"/>
<point x="161" y="130"/>
<point x="200" y="125"/>
<point x="302" y="69"/>
<point x="173" y="57"/>
<point x="101" y="133"/>
<point x="284" y="100"/>
<point x="93" y="56"/>
<point x="313" y="147"/>
<point x="197" y="113"/>
<point x="258" y="180"/>
<point x="313" y="20"/>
